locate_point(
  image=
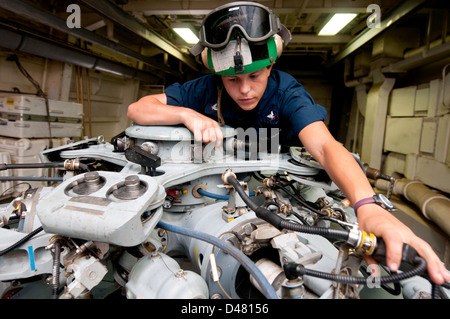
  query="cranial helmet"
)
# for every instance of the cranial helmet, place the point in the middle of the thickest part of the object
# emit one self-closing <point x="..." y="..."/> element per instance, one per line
<point x="239" y="38"/>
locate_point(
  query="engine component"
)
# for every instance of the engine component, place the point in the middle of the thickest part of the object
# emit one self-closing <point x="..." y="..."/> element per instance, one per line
<point x="88" y="184"/>
<point x="86" y="273"/>
<point x="131" y="188"/>
<point x="147" y="160"/>
<point x="157" y="276"/>
<point x="195" y="208"/>
<point x="83" y="216"/>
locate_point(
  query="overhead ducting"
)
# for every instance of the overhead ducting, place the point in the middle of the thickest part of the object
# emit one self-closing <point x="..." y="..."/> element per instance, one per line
<point x="404" y="9"/>
<point x="34" y="14"/>
<point x="21" y="42"/>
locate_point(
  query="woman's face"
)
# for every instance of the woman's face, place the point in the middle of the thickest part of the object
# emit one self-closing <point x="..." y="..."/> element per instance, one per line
<point x="247" y="89"/>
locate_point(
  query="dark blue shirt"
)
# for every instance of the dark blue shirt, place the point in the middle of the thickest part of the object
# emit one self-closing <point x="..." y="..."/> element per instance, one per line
<point x="285" y="105"/>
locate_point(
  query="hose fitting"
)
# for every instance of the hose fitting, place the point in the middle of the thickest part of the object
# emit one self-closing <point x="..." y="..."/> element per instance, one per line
<point x="72" y="164"/>
<point x="227" y="174"/>
<point x="362" y="241"/>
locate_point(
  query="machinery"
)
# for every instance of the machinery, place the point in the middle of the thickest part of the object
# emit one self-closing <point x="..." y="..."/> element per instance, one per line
<point x="154" y="214"/>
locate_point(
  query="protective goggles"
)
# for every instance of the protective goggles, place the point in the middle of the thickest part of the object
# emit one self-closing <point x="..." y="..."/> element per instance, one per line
<point x="256" y="23"/>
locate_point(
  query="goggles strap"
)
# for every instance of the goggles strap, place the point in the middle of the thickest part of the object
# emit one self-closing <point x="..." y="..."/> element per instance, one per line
<point x="285" y="35"/>
<point x="197" y="49"/>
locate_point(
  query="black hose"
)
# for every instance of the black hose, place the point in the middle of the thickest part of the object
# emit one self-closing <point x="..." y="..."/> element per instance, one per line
<point x="260" y="212"/>
<point x="293" y="270"/>
<point x="279" y="222"/>
<point x="395" y="291"/>
<point x="322" y="231"/>
<point x="300" y="201"/>
<point x="437" y="292"/>
<point x="21" y="241"/>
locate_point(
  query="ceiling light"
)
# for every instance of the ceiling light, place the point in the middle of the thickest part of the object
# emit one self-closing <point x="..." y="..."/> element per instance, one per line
<point x="336" y="23"/>
<point x="187" y="35"/>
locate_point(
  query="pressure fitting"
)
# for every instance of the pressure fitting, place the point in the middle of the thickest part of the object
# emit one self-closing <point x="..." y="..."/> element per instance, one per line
<point x="226" y="175"/>
<point x="362" y="241"/>
<point x="269" y="182"/>
<point x="72" y="164"/>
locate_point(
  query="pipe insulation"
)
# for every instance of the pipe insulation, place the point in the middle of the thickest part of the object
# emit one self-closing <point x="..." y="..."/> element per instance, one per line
<point x="434" y="206"/>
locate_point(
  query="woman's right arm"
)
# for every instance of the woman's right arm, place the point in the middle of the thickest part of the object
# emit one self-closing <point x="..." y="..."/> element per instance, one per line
<point x="154" y="110"/>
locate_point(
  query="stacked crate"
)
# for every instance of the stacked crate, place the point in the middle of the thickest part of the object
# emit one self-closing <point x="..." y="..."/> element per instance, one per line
<point x="28" y="126"/>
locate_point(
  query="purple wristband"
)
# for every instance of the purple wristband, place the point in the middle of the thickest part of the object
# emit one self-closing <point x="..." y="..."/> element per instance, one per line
<point x="363" y="201"/>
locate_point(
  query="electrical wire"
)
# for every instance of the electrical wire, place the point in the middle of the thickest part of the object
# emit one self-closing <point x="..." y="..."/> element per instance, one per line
<point x="21" y="241"/>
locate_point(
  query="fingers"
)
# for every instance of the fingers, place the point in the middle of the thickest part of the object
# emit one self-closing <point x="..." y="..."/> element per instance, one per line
<point x="395" y="234"/>
<point x="394" y="250"/>
<point x="219" y="138"/>
<point x="207" y="131"/>
<point x="436" y="269"/>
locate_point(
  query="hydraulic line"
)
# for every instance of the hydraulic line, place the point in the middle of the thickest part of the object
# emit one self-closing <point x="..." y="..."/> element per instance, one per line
<point x="31" y="165"/>
<point x="31" y="178"/>
<point x="293" y="270"/>
<point x="67" y="164"/>
<point x="361" y="241"/>
<point x="212" y="195"/>
<point x="300" y="201"/>
<point x="21" y="241"/>
<point x="217" y="196"/>
<point x="279" y="222"/>
<point x="248" y="264"/>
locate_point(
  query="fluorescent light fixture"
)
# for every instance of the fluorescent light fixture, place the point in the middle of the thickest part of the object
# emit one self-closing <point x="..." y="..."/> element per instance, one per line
<point x="187" y="35"/>
<point x="337" y="23"/>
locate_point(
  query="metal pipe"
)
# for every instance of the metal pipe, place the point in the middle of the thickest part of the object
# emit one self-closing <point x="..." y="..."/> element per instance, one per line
<point x="31" y="178"/>
<point x="119" y="16"/>
<point x="22" y="42"/>
<point x="434" y="206"/>
<point x="32" y="13"/>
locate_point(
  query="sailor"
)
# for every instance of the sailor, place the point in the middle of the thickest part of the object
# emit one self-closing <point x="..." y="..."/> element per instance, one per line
<point x="239" y="44"/>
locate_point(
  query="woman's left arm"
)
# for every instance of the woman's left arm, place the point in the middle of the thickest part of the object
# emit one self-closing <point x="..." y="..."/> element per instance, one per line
<point x="351" y="180"/>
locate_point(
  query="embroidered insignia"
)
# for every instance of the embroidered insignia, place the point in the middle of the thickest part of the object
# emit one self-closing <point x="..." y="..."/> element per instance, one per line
<point x="214" y="107"/>
<point x="271" y="116"/>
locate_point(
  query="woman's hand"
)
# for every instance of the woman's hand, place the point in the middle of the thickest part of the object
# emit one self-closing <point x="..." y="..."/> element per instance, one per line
<point x="205" y="130"/>
<point x="376" y="220"/>
<point x="153" y="110"/>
